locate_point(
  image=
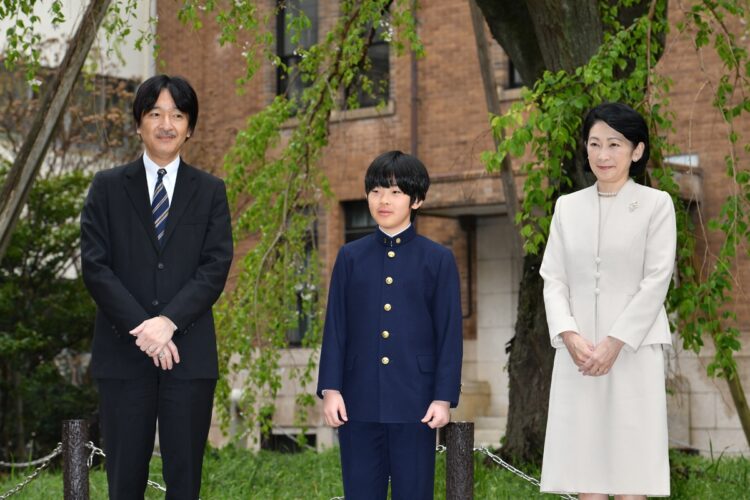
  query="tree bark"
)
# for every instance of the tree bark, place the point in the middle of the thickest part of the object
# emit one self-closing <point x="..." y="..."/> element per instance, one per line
<point x="26" y="165"/>
<point x="740" y="403"/>
<point x="529" y="370"/>
<point x="541" y="35"/>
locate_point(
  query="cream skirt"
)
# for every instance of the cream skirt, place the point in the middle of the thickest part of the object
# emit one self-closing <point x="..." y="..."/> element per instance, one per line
<point x="608" y="434"/>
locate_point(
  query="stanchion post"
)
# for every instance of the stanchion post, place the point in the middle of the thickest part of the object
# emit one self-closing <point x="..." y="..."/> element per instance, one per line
<point x="75" y="434"/>
<point x="459" y="463"/>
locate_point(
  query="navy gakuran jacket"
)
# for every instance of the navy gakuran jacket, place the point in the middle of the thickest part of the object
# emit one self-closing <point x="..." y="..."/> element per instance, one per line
<point x="392" y="341"/>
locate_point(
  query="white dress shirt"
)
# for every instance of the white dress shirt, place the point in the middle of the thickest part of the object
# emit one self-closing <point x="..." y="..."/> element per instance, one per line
<point x="152" y="173"/>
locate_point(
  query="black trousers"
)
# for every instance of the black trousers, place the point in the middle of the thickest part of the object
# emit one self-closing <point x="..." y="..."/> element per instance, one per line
<point x="129" y="410"/>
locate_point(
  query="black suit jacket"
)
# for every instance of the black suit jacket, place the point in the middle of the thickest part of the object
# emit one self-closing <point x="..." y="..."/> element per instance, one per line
<point x="132" y="277"/>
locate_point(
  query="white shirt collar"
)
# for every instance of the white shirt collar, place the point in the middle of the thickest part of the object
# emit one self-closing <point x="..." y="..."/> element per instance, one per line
<point x="152" y="174"/>
<point x="153" y="168"/>
<point x="394" y="235"/>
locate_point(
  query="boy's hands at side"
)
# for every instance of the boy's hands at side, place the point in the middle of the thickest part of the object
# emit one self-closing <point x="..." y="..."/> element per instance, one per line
<point x="334" y="410"/>
<point x="438" y="414"/>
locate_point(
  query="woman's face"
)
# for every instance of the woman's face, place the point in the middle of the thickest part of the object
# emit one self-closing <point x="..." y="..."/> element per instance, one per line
<point x="610" y="155"/>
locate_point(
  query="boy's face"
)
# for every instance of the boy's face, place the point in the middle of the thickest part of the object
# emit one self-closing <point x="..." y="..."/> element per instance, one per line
<point x="391" y="208"/>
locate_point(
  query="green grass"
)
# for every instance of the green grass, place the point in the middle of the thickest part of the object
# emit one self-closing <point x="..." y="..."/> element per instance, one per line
<point x="234" y="474"/>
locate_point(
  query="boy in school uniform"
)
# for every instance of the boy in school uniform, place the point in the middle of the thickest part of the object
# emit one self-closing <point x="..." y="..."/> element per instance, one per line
<point x="390" y="365"/>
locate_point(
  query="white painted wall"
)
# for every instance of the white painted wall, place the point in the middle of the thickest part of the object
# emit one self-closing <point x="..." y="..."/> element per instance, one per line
<point x="497" y="297"/>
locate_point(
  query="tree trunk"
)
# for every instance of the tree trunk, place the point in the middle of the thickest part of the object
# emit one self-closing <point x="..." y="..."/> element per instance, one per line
<point x="26" y="165"/>
<point x="740" y="402"/>
<point x="540" y="35"/>
<point x="529" y="370"/>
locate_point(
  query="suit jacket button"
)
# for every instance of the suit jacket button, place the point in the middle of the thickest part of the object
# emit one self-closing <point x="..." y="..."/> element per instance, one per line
<point x="385" y="360"/>
<point x="398" y="241"/>
<point x="385" y="334"/>
<point x="387" y="307"/>
<point x="391" y="254"/>
<point x="154" y="302"/>
<point x="160" y="265"/>
<point x="389" y="281"/>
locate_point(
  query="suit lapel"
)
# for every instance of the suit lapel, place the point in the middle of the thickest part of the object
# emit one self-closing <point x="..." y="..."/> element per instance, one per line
<point x="137" y="189"/>
<point x="184" y="190"/>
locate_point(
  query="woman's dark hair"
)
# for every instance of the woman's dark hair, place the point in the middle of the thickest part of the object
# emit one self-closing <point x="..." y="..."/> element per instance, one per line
<point x="180" y="90"/>
<point x="395" y="168"/>
<point x="626" y="121"/>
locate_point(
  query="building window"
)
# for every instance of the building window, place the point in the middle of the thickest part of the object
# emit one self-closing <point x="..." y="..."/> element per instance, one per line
<point x="514" y="77"/>
<point x="358" y="221"/>
<point x="372" y="86"/>
<point x="98" y="110"/>
<point x="289" y="39"/>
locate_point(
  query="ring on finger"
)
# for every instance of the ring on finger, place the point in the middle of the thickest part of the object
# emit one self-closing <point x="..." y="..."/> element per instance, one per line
<point x="161" y="355"/>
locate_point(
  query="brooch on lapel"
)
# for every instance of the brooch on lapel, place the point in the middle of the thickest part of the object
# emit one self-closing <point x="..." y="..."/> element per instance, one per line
<point x="633" y="205"/>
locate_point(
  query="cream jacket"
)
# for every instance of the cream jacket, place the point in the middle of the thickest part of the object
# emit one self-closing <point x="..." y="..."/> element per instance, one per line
<point x="613" y="283"/>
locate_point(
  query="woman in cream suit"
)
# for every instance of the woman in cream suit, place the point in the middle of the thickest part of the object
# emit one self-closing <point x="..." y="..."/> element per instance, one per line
<point x="607" y="268"/>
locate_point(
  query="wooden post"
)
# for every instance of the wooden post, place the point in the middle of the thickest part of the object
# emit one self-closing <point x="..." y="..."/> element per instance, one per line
<point x="75" y="434"/>
<point x="459" y="463"/>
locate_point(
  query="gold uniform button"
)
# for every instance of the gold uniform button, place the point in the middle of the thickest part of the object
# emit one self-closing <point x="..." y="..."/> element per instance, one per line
<point x="391" y="254"/>
<point x="385" y="334"/>
<point x="387" y="307"/>
<point x="385" y="360"/>
<point x="389" y="281"/>
<point x="398" y="241"/>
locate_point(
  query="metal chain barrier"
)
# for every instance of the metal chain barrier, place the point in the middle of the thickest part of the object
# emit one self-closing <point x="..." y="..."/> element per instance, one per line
<point x="95" y="451"/>
<point x="44" y="464"/>
<point x="98" y="451"/>
<point x="21" y="465"/>
<point x="45" y="461"/>
<point x="441" y="448"/>
<point x="515" y="471"/>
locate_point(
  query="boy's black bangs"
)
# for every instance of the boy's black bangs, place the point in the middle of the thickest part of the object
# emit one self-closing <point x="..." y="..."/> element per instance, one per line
<point x="381" y="177"/>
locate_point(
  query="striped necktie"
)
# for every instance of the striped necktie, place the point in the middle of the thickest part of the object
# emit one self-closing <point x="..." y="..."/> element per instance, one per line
<point x="160" y="206"/>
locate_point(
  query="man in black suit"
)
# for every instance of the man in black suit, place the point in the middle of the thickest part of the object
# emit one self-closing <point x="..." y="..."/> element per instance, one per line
<point x="156" y="247"/>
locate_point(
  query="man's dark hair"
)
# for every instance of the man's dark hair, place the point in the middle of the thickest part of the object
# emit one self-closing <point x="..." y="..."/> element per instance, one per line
<point x="181" y="91"/>
<point x="625" y="120"/>
<point x="395" y="168"/>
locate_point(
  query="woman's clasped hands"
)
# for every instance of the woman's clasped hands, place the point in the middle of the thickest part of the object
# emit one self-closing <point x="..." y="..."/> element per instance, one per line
<point x="592" y="360"/>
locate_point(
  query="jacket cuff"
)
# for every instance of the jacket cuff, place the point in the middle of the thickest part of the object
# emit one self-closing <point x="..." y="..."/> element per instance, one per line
<point x="567" y="324"/>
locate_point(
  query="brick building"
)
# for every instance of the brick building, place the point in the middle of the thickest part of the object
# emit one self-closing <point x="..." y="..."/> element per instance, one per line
<point x="442" y="118"/>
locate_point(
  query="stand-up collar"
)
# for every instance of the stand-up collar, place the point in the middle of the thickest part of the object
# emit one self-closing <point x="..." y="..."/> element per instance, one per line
<point x="401" y="238"/>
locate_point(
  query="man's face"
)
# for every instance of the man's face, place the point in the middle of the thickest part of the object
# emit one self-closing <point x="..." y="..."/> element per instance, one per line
<point x="164" y="129"/>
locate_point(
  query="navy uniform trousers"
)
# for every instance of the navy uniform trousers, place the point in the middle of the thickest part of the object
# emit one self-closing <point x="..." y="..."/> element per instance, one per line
<point x="392" y="344"/>
<point x="372" y="452"/>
